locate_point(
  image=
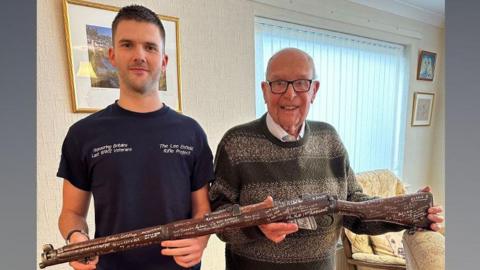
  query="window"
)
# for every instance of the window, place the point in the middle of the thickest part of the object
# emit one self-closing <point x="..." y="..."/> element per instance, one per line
<point x="363" y="88"/>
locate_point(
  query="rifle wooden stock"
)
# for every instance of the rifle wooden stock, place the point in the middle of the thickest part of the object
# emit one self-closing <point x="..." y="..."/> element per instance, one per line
<point x="408" y="210"/>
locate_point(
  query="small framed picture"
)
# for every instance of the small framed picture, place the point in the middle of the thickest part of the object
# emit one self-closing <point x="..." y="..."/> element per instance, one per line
<point x="426" y="65"/>
<point x="422" y="109"/>
<point x="93" y="80"/>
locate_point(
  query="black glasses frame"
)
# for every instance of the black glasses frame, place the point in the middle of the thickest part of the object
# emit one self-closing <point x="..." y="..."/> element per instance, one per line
<point x="288" y="83"/>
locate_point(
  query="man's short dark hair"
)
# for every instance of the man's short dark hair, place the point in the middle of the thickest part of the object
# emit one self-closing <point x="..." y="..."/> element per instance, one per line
<point x="139" y="14"/>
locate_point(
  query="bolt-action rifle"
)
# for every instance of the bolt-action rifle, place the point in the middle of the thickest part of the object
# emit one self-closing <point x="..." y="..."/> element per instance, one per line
<point x="409" y="211"/>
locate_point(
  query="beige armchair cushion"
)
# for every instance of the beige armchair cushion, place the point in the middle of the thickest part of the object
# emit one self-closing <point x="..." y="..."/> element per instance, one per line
<point x="425" y="250"/>
<point x="382" y="183"/>
<point x="360" y="242"/>
<point x="372" y="258"/>
<point x="388" y="244"/>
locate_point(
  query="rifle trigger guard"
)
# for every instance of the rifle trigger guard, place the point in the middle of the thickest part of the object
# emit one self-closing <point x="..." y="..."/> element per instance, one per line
<point x="412" y="230"/>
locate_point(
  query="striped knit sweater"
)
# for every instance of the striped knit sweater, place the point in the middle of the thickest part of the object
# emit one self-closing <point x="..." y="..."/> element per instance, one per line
<point x="251" y="164"/>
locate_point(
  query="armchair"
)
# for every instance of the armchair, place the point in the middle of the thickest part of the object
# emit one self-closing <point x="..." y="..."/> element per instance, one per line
<point x="360" y="251"/>
<point x="421" y="251"/>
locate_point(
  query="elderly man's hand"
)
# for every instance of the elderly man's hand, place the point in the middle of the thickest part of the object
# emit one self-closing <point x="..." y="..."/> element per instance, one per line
<point x="278" y="231"/>
<point x="433" y="213"/>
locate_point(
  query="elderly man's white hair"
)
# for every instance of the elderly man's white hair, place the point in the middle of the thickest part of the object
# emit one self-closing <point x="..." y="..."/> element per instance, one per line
<point x="287" y="50"/>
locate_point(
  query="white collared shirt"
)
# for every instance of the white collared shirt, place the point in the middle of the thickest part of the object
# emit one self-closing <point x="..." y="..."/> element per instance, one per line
<point x="280" y="133"/>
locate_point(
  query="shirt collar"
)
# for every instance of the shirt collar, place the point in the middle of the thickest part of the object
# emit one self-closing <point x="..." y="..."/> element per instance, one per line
<point x="280" y="133"/>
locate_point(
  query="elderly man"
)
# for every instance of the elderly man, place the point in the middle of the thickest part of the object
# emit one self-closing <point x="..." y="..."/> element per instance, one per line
<point x="283" y="155"/>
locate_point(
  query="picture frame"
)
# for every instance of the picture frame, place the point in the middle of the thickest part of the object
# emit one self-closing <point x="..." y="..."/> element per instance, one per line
<point x="93" y="81"/>
<point x="422" y="109"/>
<point x="426" y="65"/>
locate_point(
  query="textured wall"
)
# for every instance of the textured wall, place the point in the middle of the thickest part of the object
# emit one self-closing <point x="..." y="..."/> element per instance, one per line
<point x="217" y="69"/>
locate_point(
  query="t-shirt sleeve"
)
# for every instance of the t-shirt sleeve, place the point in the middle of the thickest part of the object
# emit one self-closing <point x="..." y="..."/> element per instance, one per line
<point x="203" y="163"/>
<point x="72" y="163"/>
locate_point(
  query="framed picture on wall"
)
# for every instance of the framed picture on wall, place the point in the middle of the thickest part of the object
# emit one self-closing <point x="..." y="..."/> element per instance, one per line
<point x="422" y="109"/>
<point x="426" y="65"/>
<point x="93" y="80"/>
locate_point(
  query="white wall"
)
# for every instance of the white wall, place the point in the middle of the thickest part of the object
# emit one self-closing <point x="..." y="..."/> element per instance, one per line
<point x="437" y="166"/>
<point x="217" y="70"/>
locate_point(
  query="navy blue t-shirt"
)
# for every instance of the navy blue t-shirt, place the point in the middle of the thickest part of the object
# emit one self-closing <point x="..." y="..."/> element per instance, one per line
<point x="141" y="169"/>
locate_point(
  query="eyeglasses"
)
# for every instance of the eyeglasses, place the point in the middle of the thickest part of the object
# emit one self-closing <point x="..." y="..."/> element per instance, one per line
<point x="281" y="86"/>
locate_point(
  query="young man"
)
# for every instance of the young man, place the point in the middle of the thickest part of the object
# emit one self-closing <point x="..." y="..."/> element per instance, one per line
<point x="144" y="163"/>
<point x="283" y="155"/>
